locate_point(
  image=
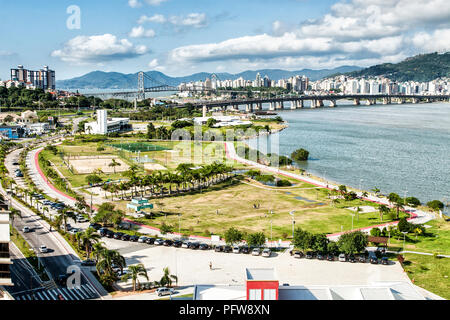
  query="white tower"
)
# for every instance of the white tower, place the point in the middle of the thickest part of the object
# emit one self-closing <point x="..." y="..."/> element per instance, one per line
<point x="102" y="121"/>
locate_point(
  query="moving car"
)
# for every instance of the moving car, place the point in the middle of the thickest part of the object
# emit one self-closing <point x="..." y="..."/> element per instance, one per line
<point x="43" y="249"/>
<point x="26" y="229"/>
<point x="342" y="257"/>
<point x="256" y="252"/>
<point x="266" y="253"/>
<point x="164" y="292"/>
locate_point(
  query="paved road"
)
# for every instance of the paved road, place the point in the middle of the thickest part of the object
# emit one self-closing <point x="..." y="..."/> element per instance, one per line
<point x="61" y="255"/>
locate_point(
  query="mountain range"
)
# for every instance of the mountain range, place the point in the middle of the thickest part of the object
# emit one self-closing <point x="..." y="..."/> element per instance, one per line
<point x="115" y="80"/>
<point x="421" y="68"/>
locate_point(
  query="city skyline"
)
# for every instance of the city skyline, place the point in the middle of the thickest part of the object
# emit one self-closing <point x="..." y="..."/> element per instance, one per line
<point x="180" y="38"/>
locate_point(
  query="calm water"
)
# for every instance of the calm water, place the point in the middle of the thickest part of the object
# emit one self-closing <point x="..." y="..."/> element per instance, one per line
<point x="396" y="148"/>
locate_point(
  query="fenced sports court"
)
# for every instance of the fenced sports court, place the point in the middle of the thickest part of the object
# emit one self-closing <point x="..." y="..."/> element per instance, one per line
<point x="138" y="147"/>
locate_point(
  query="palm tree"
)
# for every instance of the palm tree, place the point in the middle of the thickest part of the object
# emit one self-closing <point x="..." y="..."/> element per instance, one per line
<point x="383" y="209"/>
<point x="107" y="259"/>
<point x="88" y="238"/>
<point x="14" y="213"/>
<point x="114" y="164"/>
<point x="376" y="191"/>
<point x="134" y="272"/>
<point x="167" y="278"/>
<point x="97" y="249"/>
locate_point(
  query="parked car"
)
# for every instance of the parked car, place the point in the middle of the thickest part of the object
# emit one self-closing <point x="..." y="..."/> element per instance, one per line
<point x="256" y="252"/>
<point x="385" y="260"/>
<point x="63" y="227"/>
<point x="167" y="243"/>
<point x="89" y="263"/>
<point x="43" y="249"/>
<point x="150" y="241"/>
<point x="15" y="163"/>
<point x="186" y="245"/>
<point x="142" y="239"/>
<point x="194" y="245"/>
<point x="95" y="226"/>
<point x="330" y="257"/>
<point x="266" y="253"/>
<point x="362" y="258"/>
<point x="219" y="248"/>
<point x="81" y="219"/>
<point x="204" y="246"/>
<point x="177" y="244"/>
<point x="342" y="257"/>
<point x="159" y="242"/>
<point x="351" y="258"/>
<point x="298" y="254"/>
<point x="164" y="292"/>
<point x="236" y="250"/>
<point x="373" y="258"/>
<point x="227" y="249"/>
<point x="26" y="229"/>
<point x="125" y="237"/>
<point x="320" y="256"/>
<point x="74" y="230"/>
<point x="245" y="250"/>
<point x="110" y="234"/>
<point x="118" y="235"/>
<point x="134" y="238"/>
<point x="309" y="255"/>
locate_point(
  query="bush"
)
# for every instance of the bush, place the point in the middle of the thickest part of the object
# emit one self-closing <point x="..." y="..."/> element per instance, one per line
<point x="284" y="183"/>
<point x="436" y="205"/>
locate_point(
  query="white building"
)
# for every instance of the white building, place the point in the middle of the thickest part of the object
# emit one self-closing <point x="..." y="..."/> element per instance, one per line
<point x="105" y="125"/>
<point x="5" y="259"/>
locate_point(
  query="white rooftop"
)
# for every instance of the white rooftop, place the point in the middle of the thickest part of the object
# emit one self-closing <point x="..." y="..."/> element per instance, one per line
<point x="261" y="274"/>
<point x="4" y="227"/>
<point x="375" y="291"/>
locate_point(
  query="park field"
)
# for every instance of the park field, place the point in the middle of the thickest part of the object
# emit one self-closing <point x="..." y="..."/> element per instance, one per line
<point x="429" y="273"/>
<point x="246" y="205"/>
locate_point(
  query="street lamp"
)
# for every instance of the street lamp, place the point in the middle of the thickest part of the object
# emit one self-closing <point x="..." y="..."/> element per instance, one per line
<point x="404" y="238"/>
<point x="352" y="220"/>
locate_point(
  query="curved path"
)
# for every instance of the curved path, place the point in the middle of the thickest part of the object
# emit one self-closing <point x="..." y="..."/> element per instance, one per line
<point x="417" y="216"/>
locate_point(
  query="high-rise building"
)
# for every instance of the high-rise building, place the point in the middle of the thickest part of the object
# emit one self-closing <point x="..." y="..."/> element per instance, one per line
<point x="43" y="79"/>
<point x="5" y="259"/>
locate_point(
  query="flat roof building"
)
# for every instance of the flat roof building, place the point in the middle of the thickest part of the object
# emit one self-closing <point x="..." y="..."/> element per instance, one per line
<point x="103" y="125"/>
<point x="5" y="259"/>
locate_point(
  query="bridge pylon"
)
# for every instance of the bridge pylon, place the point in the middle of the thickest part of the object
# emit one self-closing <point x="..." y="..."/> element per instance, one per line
<point x="141" y="87"/>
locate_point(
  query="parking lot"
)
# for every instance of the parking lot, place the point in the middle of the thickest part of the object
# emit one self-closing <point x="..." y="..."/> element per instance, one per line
<point x="192" y="266"/>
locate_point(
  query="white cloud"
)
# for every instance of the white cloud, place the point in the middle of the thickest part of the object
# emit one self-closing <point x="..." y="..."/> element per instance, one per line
<point x="134" y="3"/>
<point x="157" y="18"/>
<point x="439" y="40"/>
<point x="153" y="64"/>
<point x="141" y="32"/>
<point x="195" y="20"/>
<point x="98" y="49"/>
<point x="358" y="32"/>
<point x="155" y="2"/>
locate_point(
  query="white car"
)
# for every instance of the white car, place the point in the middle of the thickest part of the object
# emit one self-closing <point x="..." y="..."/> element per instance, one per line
<point x="159" y="242"/>
<point x="164" y="292"/>
<point x="342" y="257"/>
<point x="266" y="253"/>
<point x="256" y="252"/>
<point x="74" y="230"/>
<point x="43" y="249"/>
<point x="236" y="250"/>
<point x="185" y="245"/>
<point x="81" y="219"/>
<point x="26" y="229"/>
<point x="142" y="239"/>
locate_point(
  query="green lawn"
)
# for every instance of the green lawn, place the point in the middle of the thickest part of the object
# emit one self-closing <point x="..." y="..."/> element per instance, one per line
<point x="429" y="273"/>
<point x="436" y="239"/>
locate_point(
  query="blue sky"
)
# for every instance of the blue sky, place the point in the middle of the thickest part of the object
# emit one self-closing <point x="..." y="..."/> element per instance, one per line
<point x="180" y="37"/>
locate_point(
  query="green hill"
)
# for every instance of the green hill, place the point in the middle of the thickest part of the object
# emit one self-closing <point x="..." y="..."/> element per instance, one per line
<point x="424" y="67"/>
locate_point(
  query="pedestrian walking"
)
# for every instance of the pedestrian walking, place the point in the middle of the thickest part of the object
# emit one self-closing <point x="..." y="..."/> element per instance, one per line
<point x="210" y="266"/>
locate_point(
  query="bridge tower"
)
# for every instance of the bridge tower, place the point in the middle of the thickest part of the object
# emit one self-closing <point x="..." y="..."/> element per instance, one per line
<point x="141" y="86"/>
